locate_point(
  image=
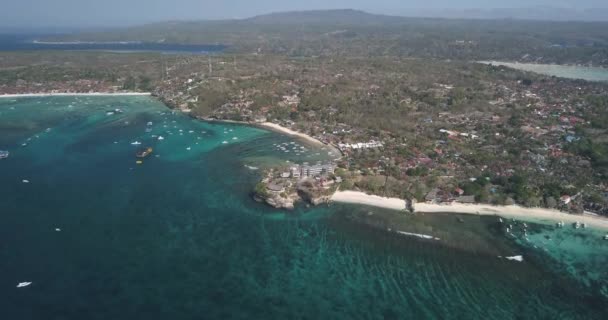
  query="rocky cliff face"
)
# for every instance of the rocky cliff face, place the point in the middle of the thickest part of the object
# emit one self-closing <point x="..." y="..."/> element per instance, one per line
<point x="277" y="201"/>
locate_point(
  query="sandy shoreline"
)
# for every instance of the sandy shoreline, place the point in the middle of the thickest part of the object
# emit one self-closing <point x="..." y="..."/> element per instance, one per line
<point x="305" y="137"/>
<point x="280" y="129"/>
<point x="73" y="94"/>
<point x="356" y="197"/>
<point x="287" y="131"/>
<point x="539" y="215"/>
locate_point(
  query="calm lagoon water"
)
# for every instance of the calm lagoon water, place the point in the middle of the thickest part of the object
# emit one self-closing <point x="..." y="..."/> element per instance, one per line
<point x="178" y="237"/>
<point x="571" y="72"/>
<point x="20" y="42"/>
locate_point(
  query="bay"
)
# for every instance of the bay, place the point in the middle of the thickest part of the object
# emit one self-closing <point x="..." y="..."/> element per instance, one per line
<point x="562" y="71"/>
<point x="179" y="236"/>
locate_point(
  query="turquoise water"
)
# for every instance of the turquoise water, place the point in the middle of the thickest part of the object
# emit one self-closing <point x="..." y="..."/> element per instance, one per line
<point x="179" y="237"/>
<point x="572" y="72"/>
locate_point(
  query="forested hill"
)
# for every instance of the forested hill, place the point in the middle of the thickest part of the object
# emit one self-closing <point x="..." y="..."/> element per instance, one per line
<point x="340" y="32"/>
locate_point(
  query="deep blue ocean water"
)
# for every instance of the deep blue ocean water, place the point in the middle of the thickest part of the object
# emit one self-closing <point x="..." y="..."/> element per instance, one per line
<point x="179" y="237"/>
<point x="21" y="42"/>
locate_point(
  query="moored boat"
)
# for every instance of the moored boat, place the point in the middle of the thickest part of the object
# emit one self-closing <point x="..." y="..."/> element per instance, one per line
<point x="144" y="153"/>
<point x="4" y="154"/>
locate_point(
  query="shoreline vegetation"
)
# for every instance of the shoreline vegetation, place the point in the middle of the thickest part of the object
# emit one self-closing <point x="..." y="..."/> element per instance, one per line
<point x="539" y="215"/>
<point x="73" y="94"/>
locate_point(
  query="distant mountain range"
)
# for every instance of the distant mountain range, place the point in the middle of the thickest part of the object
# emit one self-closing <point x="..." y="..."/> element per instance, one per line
<point x="337" y="32"/>
<point x="531" y="13"/>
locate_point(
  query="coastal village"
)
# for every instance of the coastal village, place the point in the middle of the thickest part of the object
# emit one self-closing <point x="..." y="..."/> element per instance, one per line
<point x="321" y="164"/>
<point x="475" y="134"/>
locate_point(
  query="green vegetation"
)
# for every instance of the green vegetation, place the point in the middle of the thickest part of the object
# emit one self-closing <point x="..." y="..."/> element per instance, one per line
<point x="349" y="32"/>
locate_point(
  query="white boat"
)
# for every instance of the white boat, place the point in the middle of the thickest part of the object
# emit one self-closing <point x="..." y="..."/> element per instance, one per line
<point x="149" y="124"/>
<point x="225" y="142"/>
<point x="4" y="154"/>
<point x="161" y="138"/>
<point x="576" y="225"/>
<point x="135" y="143"/>
<point x="23" y="284"/>
<point x="515" y="258"/>
<point x="606" y="237"/>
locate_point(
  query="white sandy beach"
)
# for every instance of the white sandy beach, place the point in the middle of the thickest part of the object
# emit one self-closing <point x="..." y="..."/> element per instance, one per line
<point x="73" y="94"/>
<point x="303" y="136"/>
<point x="370" y="200"/>
<point x="276" y="127"/>
<point x="539" y="215"/>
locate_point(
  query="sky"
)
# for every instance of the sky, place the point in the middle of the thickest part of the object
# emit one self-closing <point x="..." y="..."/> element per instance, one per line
<point x="99" y="13"/>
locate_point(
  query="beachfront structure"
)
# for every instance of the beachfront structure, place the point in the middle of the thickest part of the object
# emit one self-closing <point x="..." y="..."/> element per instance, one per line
<point x="317" y="170"/>
<point x="360" y="145"/>
<point x="310" y="171"/>
<point x="276" y="188"/>
<point x="296" y="171"/>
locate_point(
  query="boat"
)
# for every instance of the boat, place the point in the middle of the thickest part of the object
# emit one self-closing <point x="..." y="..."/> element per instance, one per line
<point x="135" y="143"/>
<point x="606" y="237"/>
<point x="144" y="153"/>
<point x="515" y="258"/>
<point x="4" y="154"/>
<point x="23" y="284"/>
<point x="576" y="225"/>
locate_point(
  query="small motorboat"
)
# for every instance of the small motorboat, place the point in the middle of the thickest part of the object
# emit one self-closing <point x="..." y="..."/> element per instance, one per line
<point x="4" y="154"/>
<point x="23" y="284"/>
<point x="135" y="143"/>
<point x="606" y="237"/>
<point x="144" y="153"/>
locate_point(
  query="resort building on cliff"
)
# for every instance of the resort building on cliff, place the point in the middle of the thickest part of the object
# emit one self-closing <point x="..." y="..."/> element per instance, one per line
<point x="309" y="171"/>
<point x="275" y="187"/>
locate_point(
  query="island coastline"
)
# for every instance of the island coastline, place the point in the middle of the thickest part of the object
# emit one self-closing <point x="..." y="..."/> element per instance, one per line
<point x="279" y="129"/>
<point x="73" y="94"/>
<point x="538" y="215"/>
